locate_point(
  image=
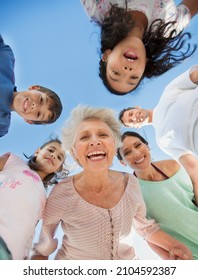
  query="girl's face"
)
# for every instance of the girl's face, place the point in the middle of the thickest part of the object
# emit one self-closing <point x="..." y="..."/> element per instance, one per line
<point x="94" y="146"/>
<point x="125" y="64"/>
<point x="51" y="157"/>
<point x="135" y="153"/>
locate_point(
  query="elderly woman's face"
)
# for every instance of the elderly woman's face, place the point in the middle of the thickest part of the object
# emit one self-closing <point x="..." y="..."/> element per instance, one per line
<point x="135" y="153"/>
<point x="94" y="146"/>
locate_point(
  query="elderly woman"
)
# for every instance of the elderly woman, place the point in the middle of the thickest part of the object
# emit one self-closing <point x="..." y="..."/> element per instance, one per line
<point x="98" y="206"/>
<point x="167" y="191"/>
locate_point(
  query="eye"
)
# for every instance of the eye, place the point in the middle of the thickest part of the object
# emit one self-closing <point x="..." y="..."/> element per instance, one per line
<point x="50" y="150"/>
<point x="138" y="145"/>
<point x="134" y="77"/>
<point x="126" y="153"/>
<point x="115" y="73"/>
<point x="84" y="137"/>
<point x="59" y="158"/>
<point x="103" y="135"/>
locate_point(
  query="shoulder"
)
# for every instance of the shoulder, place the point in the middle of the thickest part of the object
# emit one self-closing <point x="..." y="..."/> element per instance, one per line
<point x="133" y="184"/>
<point x="62" y="187"/>
<point x="168" y="166"/>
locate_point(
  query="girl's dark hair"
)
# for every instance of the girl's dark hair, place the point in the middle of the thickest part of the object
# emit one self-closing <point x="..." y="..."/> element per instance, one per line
<point x="52" y="178"/>
<point x="162" y="52"/>
<point x="130" y="134"/>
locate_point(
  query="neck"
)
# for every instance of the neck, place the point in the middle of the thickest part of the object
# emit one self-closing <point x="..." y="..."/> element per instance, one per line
<point x="12" y="105"/>
<point x="95" y="181"/>
<point x="150" y="119"/>
<point x="150" y="174"/>
<point x="41" y="174"/>
<point x="147" y="174"/>
<point x="141" y="23"/>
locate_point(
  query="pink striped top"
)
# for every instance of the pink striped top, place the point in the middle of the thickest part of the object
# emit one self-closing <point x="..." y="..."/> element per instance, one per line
<point x="92" y="232"/>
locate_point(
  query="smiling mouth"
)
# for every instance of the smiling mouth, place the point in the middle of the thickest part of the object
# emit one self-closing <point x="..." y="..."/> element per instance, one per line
<point x="96" y="155"/>
<point x="25" y="105"/>
<point x="139" y="161"/>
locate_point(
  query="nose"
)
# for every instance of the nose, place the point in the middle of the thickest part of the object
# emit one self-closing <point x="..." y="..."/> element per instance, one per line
<point x="126" y="69"/>
<point x="53" y="155"/>
<point x="33" y="105"/>
<point x="95" y="142"/>
<point x="135" y="152"/>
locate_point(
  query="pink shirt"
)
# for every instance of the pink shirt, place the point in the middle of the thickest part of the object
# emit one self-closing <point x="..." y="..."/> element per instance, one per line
<point x="22" y="200"/>
<point x="91" y="232"/>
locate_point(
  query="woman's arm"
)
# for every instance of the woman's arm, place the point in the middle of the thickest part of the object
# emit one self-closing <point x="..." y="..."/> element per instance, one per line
<point x="192" y="6"/>
<point x="169" y="247"/>
<point x="190" y="163"/>
<point x="52" y="217"/>
<point x="163" y="254"/>
<point x="3" y="160"/>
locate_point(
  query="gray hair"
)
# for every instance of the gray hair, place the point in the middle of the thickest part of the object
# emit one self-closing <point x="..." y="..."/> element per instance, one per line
<point x="85" y="112"/>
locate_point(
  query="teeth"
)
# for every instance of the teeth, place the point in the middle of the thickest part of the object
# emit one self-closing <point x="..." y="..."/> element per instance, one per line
<point x="140" y="160"/>
<point x="96" y="157"/>
<point x="96" y="153"/>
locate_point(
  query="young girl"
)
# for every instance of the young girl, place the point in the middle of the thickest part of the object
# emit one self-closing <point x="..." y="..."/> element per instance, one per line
<point x="139" y="39"/>
<point x="23" y="197"/>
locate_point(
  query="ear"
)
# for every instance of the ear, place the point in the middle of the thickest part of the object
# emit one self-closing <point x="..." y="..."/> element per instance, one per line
<point x="34" y="87"/>
<point x="105" y="55"/>
<point x="28" y="121"/>
<point x="36" y="152"/>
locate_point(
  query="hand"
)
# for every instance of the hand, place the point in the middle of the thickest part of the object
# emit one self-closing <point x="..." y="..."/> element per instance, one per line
<point x="39" y="257"/>
<point x="180" y="254"/>
<point x="194" y="77"/>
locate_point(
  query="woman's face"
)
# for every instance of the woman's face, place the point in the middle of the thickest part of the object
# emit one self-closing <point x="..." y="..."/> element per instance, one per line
<point x="94" y="147"/>
<point x="51" y="157"/>
<point x="125" y="64"/>
<point x="135" y="153"/>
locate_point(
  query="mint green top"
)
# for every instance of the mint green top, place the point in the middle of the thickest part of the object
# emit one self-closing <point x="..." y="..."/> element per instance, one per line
<point x="169" y="202"/>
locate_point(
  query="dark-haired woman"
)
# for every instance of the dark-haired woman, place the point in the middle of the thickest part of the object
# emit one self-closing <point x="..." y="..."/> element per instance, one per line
<point x="140" y="39"/>
<point x="167" y="191"/>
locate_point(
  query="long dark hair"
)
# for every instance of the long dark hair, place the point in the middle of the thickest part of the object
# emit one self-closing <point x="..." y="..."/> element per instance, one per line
<point x="51" y="178"/>
<point x="163" y="52"/>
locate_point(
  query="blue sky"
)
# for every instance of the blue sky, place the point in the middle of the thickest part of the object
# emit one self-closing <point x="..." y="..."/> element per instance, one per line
<point x="56" y="46"/>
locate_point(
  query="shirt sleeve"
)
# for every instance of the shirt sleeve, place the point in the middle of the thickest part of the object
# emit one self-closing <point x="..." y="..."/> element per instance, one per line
<point x="143" y="226"/>
<point x="96" y="9"/>
<point x="183" y="81"/>
<point x="52" y="217"/>
<point x="173" y="145"/>
<point x="183" y="17"/>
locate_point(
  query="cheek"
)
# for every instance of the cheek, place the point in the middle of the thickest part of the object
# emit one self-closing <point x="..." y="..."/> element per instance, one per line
<point x="128" y="161"/>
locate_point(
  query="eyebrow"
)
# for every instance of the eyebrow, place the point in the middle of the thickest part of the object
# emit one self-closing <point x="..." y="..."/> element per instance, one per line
<point x="115" y="80"/>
